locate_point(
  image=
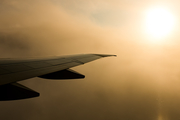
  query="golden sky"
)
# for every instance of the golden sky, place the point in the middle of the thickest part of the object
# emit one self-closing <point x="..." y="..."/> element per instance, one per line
<point x="142" y="83"/>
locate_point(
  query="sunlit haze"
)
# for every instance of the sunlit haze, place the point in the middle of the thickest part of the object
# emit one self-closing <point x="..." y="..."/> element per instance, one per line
<point x="159" y="22"/>
<point x="141" y="83"/>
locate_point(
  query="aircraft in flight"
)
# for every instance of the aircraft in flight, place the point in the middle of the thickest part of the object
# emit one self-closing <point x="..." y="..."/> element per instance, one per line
<point x="14" y="70"/>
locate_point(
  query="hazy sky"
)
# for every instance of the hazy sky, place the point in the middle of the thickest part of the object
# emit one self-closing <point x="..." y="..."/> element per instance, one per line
<point x="142" y="83"/>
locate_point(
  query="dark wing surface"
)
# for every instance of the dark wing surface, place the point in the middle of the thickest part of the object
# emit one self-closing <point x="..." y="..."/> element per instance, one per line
<point x="13" y="70"/>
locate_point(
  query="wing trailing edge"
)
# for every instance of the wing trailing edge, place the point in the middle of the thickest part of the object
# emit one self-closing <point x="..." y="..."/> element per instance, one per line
<point x="105" y="55"/>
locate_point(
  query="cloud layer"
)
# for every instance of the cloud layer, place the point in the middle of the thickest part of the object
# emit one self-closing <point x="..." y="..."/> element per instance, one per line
<point x="141" y="83"/>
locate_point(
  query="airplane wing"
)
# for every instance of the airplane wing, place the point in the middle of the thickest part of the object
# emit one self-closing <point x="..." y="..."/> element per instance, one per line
<point x="13" y="70"/>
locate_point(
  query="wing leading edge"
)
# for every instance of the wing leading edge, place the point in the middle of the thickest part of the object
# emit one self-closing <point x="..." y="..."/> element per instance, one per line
<point x="13" y="70"/>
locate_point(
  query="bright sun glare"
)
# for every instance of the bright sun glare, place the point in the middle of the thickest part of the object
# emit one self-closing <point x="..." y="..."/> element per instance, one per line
<point x="159" y="22"/>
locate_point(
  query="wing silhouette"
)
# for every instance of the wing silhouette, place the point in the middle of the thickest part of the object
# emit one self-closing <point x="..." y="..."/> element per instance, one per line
<point x="13" y="70"/>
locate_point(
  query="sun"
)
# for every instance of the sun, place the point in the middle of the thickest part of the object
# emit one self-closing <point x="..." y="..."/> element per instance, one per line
<point x="159" y="22"/>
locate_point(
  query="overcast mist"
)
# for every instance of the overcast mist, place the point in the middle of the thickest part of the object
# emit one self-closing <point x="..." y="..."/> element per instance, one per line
<point x="141" y="83"/>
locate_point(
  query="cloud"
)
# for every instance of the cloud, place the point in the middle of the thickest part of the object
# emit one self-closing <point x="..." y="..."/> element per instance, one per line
<point x="126" y="87"/>
<point x="44" y="28"/>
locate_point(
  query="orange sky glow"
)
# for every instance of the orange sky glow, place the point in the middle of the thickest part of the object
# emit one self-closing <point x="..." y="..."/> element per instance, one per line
<point x="141" y="83"/>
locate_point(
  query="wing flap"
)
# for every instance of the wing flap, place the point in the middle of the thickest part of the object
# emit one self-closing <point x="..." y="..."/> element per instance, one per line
<point x="37" y="64"/>
<point x="15" y="67"/>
